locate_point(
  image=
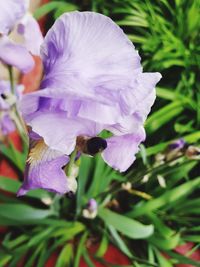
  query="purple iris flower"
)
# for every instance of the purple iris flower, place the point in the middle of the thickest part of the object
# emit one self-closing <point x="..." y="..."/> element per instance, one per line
<point x="177" y="144"/>
<point x="6" y="124"/>
<point x="93" y="81"/>
<point x="92" y="205"/>
<point x="14" y="17"/>
<point x="6" y="100"/>
<point x="90" y="212"/>
<point x="11" y="11"/>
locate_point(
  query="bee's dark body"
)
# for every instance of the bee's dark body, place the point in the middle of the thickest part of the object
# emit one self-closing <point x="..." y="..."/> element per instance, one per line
<point x="91" y="145"/>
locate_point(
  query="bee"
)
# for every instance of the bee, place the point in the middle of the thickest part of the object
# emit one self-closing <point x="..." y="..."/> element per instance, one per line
<point x="3" y="96"/>
<point x="90" y="145"/>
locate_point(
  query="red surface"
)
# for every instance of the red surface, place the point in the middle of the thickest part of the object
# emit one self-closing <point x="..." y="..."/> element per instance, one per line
<point x="184" y="249"/>
<point x="51" y="262"/>
<point x="31" y="80"/>
<point x="5" y="167"/>
<point x="112" y="256"/>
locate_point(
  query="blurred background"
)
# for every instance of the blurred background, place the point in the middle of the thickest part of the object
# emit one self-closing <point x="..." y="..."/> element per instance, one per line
<point x="148" y="216"/>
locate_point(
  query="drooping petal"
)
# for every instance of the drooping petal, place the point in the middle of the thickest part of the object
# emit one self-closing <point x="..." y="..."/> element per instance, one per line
<point x="15" y="55"/>
<point x="30" y="30"/>
<point x="121" y="150"/>
<point x="10" y="12"/>
<point x="44" y="170"/>
<point x="60" y="132"/>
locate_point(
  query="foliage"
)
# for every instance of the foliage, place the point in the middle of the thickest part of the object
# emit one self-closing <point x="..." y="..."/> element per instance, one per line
<point x="156" y="214"/>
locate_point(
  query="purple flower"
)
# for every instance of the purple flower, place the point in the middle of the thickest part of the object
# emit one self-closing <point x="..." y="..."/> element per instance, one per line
<point x="11" y="11"/>
<point x="29" y="29"/>
<point x="15" y="55"/>
<point x="90" y="212"/>
<point x="93" y="81"/>
<point x="6" y="124"/>
<point x="14" y="16"/>
<point x="6" y="101"/>
<point x="44" y="169"/>
<point x="177" y="144"/>
<point x="92" y="205"/>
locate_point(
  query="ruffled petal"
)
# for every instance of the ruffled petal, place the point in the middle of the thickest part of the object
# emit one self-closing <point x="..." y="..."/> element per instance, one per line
<point x="60" y="132"/>
<point x="87" y="53"/>
<point x="44" y="170"/>
<point x="127" y="125"/>
<point x="10" y="12"/>
<point x="130" y="124"/>
<point x="15" y="55"/>
<point x="141" y="91"/>
<point x="30" y="30"/>
<point x="82" y="106"/>
<point x="121" y="150"/>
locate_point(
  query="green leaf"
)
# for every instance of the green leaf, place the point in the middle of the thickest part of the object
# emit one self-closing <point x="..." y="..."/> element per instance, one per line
<point x="64" y="7"/>
<point x="65" y="257"/>
<point x="97" y="177"/>
<point x="22" y="213"/>
<point x="167" y="243"/>
<point x="12" y="186"/>
<point x="129" y="227"/>
<point x="165" y="199"/>
<point x="102" y="247"/>
<point x="163" y="230"/>
<point x="190" y="138"/>
<point x="40" y="237"/>
<point x="87" y="258"/>
<point x="80" y="249"/>
<point x="46" y="8"/>
<point x="162" y="260"/>
<point x="33" y="257"/>
<point x="120" y="242"/>
<point x="4" y="259"/>
<point x="182" y="259"/>
<point x="17" y="158"/>
<point x="83" y="177"/>
<point x="163" y="116"/>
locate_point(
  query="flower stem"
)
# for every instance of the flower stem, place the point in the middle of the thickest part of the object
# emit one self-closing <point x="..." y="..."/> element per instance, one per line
<point x="11" y="79"/>
<point x="71" y="163"/>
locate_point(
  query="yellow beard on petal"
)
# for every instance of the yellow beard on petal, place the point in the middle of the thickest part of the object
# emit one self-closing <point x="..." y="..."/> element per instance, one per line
<point x="37" y="152"/>
<point x="40" y="152"/>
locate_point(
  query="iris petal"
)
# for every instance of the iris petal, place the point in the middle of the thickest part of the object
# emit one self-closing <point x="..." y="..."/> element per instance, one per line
<point x="66" y="130"/>
<point x="10" y="12"/>
<point x="121" y="150"/>
<point x="32" y="35"/>
<point x="44" y="170"/>
<point x="15" y="55"/>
